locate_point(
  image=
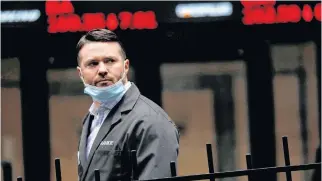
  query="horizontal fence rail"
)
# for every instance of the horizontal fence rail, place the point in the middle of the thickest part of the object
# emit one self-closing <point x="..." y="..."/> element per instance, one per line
<point x="240" y="172"/>
<point x="212" y="175"/>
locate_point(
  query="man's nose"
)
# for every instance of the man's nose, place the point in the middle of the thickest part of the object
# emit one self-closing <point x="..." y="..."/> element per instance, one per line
<point x="102" y="70"/>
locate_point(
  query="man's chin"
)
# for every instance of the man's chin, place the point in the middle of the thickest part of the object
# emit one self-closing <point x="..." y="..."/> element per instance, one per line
<point x="104" y="84"/>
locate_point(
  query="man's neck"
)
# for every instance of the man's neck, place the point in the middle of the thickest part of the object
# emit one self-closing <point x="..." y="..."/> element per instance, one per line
<point x="96" y="104"/>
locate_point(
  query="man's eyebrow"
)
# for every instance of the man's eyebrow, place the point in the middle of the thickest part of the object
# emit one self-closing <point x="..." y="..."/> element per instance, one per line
<point x="96" y="58"/>
<point x="89" y="60"/>
<point x="111" y="57"/>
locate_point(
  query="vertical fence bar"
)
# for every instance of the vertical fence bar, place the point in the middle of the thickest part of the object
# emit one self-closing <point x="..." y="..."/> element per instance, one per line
<point x="97" y="175"/>
<point x="134" y="164"/>
<point x="249" y="165"/>
<point x="58" y="169"/>
<point x="6" y="171"/>
<point x="19" y="178"/>
<point x="287" y="158"/>
<point x="173" y="169"/>
<point x="210" y="160"/>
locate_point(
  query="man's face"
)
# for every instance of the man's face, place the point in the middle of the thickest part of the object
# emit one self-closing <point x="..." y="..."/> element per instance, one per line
<point x="102" y="64"/>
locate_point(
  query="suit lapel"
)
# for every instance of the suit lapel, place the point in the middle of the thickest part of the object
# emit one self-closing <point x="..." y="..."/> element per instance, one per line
<point x="82" y="146"/>
<point x="111" y="119"/>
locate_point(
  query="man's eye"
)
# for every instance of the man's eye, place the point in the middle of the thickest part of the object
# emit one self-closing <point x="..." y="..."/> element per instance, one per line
<point x="92" y="64"/>
<point x="109" y="60"/>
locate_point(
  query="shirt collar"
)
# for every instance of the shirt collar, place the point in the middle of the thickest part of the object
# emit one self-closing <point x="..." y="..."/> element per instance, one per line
<point x="108" y="106"/>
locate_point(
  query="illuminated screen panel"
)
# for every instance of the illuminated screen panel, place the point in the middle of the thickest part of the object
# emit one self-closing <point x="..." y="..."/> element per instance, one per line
<point x="272" y="12"/>
<point x="22" y="14"/>
<point x="80" y="16"/>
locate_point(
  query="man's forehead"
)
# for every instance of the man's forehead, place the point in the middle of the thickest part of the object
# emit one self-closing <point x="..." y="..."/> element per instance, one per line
<point x="100" y="49"/>
<point x="101" y="46"/>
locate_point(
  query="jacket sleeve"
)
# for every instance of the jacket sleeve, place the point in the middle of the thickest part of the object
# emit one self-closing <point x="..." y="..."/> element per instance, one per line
<point x="157" y="144"/>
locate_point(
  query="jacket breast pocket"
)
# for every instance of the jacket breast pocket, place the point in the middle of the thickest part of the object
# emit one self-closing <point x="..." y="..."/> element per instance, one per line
<point x="111" y="160"/>
<point x="104" y="150"/>
<point x="108" y="150"/>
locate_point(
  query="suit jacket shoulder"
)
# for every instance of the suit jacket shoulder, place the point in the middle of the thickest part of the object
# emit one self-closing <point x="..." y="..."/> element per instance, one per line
<point x="147" y="110"/>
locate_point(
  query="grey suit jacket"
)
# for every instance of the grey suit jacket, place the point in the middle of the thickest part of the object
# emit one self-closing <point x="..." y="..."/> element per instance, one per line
<point x="135" y="123"/>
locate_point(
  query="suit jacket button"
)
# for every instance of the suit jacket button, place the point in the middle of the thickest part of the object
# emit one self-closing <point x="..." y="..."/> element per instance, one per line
<point x="80" y="170"/>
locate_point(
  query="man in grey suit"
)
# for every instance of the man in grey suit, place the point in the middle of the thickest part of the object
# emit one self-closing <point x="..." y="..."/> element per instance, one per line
<point x="120" y="119"/>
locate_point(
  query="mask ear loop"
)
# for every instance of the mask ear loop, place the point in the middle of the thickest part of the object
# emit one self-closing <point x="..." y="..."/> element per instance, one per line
<point x="123" y="74"/>
<point x="85" y="84"/>
<point x="82" y="77"/>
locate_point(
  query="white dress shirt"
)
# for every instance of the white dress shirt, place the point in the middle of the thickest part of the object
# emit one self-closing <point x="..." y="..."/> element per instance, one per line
<point x="100" y="115"/>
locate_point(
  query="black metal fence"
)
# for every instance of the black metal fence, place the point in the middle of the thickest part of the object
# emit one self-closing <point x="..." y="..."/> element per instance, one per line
<point x="212" y="175"/>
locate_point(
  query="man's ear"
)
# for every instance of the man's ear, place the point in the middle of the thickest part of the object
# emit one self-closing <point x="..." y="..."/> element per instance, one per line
<point x="127" y="65"/>
<point x="79" y="72"/>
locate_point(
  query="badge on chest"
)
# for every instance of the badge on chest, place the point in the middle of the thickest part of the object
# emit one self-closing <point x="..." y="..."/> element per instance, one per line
<point x="107" y="143"/>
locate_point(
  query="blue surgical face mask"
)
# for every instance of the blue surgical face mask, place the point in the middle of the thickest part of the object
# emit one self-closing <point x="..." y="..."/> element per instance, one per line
<point x="105" y="94"/>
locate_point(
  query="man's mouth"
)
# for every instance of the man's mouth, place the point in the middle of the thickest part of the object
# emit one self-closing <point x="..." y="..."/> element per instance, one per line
<point x="104" y="83"/>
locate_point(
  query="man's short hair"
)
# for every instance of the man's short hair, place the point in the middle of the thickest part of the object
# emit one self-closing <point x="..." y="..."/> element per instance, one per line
<point x="99" y="35"/>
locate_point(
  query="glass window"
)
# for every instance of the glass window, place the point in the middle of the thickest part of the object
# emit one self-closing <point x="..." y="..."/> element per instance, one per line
<point x="208" y="103"/>
<point x="296" y="92"/>
<point x="11" y="130"/>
